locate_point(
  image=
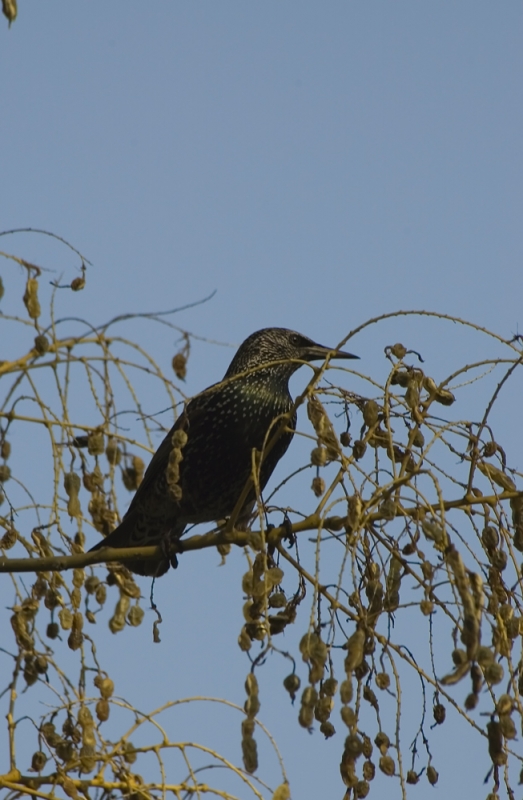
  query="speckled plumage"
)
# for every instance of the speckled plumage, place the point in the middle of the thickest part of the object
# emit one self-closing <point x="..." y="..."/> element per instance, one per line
<point x="223" y="425"/>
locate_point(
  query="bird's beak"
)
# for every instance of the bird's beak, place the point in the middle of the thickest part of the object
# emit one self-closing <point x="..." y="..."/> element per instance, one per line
<point x="317" y="352"/>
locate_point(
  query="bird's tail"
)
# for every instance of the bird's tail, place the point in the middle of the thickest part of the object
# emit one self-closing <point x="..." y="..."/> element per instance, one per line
<point x="129" y="534"/>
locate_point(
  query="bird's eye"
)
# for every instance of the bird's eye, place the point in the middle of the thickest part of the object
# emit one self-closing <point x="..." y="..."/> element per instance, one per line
<point x="295" y="339"/>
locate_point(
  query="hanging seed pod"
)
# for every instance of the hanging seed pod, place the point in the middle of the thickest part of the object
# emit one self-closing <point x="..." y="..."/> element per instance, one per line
<point x="348" y="716"/>
<point x="358" y="449"/>
<point x="382" y="681"/>
<point x="38" y="761"/>
<point x="328" y="729"/>
<point x="41" y="664"/>
<point x="277" y="600"/>
<point x="282" y="792"/>
<point x="318" y="486"/>
<point x="5" y="473"/>
<point x="354" y="646"/>
<point x="323" y="428"/>
<point x="91" y="584"/>
<point x="369" y="771"/>
<point x="179" y="365"/>
<point x="495" y="744"/>
<point x="418" y="439"/>
<point x="329" y="687"/>
<point x="439" y="713"/>
<point x="345" y="439"/>
<point x="65" y="616"/>
<point x="353" y="747"/>
<point x="52" y="630"/>
<point x="412" y="777"/>
<point x="117" y="621"/>
<point x="397" y="350"/>
<point x="490" y="537"/>
<point x="135" y="616"/>
<point x="105" y="686"/>
<point x="387" y="765"/>
<point x="102" y="710"/>
<point x="101" y="594"/>
<point x="292" y="684"/>
<point x="493" y="673"/>
<point x="371" y="413"/>
<point x="497" y="476"/>
<point x="113" y="452"/>
<point x="346" y="691"/>
<point x="41" y="344"/>
<point x="77" y="284"/>
<point x="30" y="298"/>
<point x="30" y="671"/>
<point x="508" y="726"/>
<point x="95" y="442"/>
<point x="9" y="539"/>
<point x="432" y="775"/>
<point x="93" y="481"/>
<point x="250" y="755"/>
<point x="319" y="457"/>
<point x="323" y="708"/>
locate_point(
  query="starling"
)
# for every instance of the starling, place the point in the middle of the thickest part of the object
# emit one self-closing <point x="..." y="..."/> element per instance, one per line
<point x="202" y="466"/>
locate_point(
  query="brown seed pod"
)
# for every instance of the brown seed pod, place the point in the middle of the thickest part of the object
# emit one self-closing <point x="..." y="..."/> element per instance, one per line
<point x="52" y="630"/>
<point x="382" y="742"/>
<point x="95" y="442"/>
<point x="250" y="755"/>
<point x="426" y="607"/>
<point x="105" y="686"/>
<point x="318" y="486"/>
<point x="493" y="673"/>
<point x="369" y="771"/>
<point x="102" y="710"/>
<point x="135" y="616"/>
<point x="323" y="708"/>
<point x="439" y="713"/>
<point x="113" y="452"/>
<point x="358" y="449"/>
<point x="244" y="640"/>
<point x="329" y="687"/>
<point x="65" y="751"/>
<point x="370" y="697"/>
<point x="41" y="344"/>
<point x="5" y="473"/>
<point x="370" y="413"/>
<point x="277" y="600"/>
<point x="30" y="298"/>
<point x="9" y="539"/>
<point x="328" y="729"/>
<point x="75" y="639"/>
<point x="354" y="646"/>
<point x="348" y="716"/>
<point x="387" y="765"/>
<point x="418" y="439"/>
<point x="38" y="761"/>
<point x="432" y="775"/>
<point x="346" y="691"/>
<point x="382" y="680"/>
<point x="179" y="365"/>
<point x="397" y="350"/>
<point x="345" y="439"/>
<point x="91" y="584"/>
<point x="319" y="456"/>
<point x="412" y="777"/>
<point x="292" y="684"/>
<point x="101" y="594"/>
<point x="490" y="537"/>
<point x="353" y="747"/>
<point x="129" y="753"/>
<point x="495" y="744"/>
<point x="282" y="792"/>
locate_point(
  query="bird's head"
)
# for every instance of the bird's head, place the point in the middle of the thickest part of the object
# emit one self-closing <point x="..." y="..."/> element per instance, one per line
<point x="279" y="345"/>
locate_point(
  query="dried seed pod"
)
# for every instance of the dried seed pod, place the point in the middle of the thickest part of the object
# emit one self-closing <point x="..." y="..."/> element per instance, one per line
<point x="9" y="539"/>
<point x="65" y="615"/>
<point x="328" y="729"/>
<point x="30" y="671"/>
<point x="490" y="537"/>
<point x="129" y="753"/>
<point x="358" y="449"/>
<point x="346" y="691"/>
<point x="369" y="771"/>
<point x="426" y="607"/>
<point x="318" y="486"/>
<point x="282" y="792"/>
<point x="135" y="616"/>
<point x="499" y="560"/>
<point x="75" y="639"/>
<point x="319" y="456"/>
<point x="412" y="777"/>
<point x="508" y="726"/>
<point x="105" y="686"/>
<point x="292" y="684"/>
<point x="38" y="761"/>
<point x="493" y="673"/>
<point x="65" y="751"/>
<point x="52" y="630"/>
<point x="354" y="646"/>
<point x="382" y="680"/>
<point x="77" y="284"/>
<point x="471" y="701"/>
<point x="41" y="344"/>
<point x="345" y="439"/>
<point x="397" y="350"/>
<point x="382" y="742"/>
<point x="101" y="594"/>
<point x="179" y="365"/>
<point x="432" y="775"/>
<point x="418" y="440"/>
<point x="371" y="413"/>
<point x="323" y="708"/>
<point x="495" y="744"/>
<point x="277" y="600"/>
<point x="117" y="621"/>
<point x="387" y="765"/>
<point x="497" y="476"/>
<point x="439" y="713"/>
<point x="94" y="480"/>
<point x="329" y="687"/>
<point x="30" y="298"/>
<point x="5" y="473"/>
<point x="348" y="716"/>
<point x="95" y="442"/>
<point x="353" y="747"/>
<point x="113" y="452"/>
<point x="102" y="710"/>
<point x="250" y="755"/>
<point x="91" y="584"/>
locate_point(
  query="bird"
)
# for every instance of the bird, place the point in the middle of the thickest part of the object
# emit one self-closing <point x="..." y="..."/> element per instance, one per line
<point x="204" y="463"/>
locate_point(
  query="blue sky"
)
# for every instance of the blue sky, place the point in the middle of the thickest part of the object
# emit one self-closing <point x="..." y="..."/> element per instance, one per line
<point x="315" y="164"/>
